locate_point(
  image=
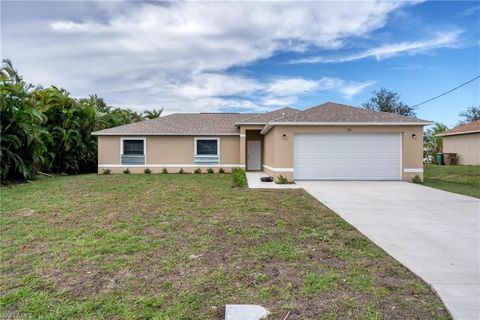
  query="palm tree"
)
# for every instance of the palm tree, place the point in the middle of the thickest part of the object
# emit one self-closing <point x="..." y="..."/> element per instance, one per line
<point x="22" y="137"/>
<point x="48" y="130"/>
<point x="152" y="114"/>
<point x="432" y="142"/>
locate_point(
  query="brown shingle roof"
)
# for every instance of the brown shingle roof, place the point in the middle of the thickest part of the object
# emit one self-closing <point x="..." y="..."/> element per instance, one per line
<point x="471" y="127"/>
<point x="182" y="124"/>
<point x="225" y="123"/>
<point x="334" y="113"/>
<point x="269" y="116"/>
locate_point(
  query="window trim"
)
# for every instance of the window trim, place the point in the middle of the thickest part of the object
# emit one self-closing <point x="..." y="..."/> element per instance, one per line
<point x="206" y="155"/>
<point x="144" y="139"/>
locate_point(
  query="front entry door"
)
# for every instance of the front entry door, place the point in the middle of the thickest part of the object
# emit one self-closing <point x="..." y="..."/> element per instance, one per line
<point x="254" y="155"/>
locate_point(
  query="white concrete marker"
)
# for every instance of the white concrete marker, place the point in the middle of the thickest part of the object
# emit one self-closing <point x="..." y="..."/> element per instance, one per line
<point x="245" y="312"/>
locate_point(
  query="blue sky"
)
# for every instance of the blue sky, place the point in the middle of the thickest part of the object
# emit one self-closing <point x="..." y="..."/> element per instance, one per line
<point x="249" y="56"/>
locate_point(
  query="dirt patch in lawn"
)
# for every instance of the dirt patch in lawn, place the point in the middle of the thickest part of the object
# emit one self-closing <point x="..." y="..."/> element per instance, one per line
<point x="25" y="212"/>
<point x="86" y="280"/>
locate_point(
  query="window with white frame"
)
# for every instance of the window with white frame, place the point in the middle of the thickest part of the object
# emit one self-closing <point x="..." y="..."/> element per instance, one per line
<point x="206" y="147"/>
<point x="133" y="151"/>
<point x="133" y="147"/>
<point x="207" y="151"/>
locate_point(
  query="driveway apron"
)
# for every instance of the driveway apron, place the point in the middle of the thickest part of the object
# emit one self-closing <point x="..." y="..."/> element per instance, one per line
<point x="434" y="233"/>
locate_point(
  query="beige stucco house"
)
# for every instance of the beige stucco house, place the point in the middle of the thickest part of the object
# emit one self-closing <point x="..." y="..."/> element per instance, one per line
<point x="464" y="140"/>
<point x="326" y="142"/>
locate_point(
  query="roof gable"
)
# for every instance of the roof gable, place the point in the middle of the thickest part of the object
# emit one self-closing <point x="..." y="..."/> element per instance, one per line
<point x="269" y="116"/>
<point x="339" y="113"/>
<point x="471" y="127"/>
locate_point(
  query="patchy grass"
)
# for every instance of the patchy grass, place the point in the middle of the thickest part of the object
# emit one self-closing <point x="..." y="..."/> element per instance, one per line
<point x="326" y="281"/>
<point x="459" y="179"/>
<point x="182" y="246"/>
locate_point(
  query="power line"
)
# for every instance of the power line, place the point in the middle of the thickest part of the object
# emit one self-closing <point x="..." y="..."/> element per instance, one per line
<point x="463" y="84"/>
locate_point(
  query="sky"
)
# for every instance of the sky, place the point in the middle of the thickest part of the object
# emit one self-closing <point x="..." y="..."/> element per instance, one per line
<point x="250" y="56"/>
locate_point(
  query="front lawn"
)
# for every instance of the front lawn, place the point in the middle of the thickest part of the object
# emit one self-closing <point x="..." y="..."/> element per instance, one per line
<point x="458" y="179"/>
<point x="183" y="246"/>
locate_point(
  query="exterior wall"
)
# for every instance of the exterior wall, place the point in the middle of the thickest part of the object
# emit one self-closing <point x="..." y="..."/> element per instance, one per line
<point x="466" y="146"/>
<point x="108" y="150"/>
<point x="269" y="155"/>
<point x="281" y="161"/>
<point x="229" y="150"/>
<point x="269" y="159"/>
<point x="171" y="152"/>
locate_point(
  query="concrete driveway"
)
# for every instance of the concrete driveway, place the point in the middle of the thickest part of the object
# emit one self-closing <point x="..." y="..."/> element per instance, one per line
<point x="434" y="233"/>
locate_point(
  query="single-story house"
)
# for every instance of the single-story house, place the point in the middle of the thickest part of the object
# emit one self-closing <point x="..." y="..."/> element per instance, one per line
<point x="326" y="142"/>
<point x="463" y="140"/>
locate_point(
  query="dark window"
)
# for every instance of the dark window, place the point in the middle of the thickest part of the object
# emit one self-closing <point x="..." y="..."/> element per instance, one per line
<point x="207" y="147"/>
<point x="133" y="147"/>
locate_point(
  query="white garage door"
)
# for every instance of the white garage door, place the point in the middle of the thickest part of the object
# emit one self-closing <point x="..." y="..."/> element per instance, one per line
<point x="349" y="156"/>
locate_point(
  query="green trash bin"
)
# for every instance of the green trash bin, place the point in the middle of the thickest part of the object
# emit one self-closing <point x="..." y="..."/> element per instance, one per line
<point x="439" y="159"/>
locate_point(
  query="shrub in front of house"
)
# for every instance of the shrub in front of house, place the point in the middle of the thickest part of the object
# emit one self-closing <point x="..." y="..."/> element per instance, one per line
<point x="239" y="177"/>
<point x="282" y="180"/>
<point x="126" y="171"/>
<point x="209" y="170"/>
<point x="221" y="170"/>
<point x="147" y="171"/>
<point x="164" y="171"/>
<point x="197" y="171"/>
<point x="181" y="171"/>
<point x="417" y="179"/>
<point x="107" y="171"/>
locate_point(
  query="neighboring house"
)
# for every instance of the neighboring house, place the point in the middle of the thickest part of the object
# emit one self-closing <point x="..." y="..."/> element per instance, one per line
<point x="330" y="142"/>
<point x="463" y="140"/>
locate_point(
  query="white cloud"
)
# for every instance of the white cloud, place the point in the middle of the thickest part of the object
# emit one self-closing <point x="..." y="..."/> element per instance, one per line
<point x="210" y="91"/>
<point x="284" y="92"/>
<point x="352" y="89"/>
<point x="294" y="86"/>
<point x="440" y="40"/>
<point x="274" y="102"/>
<point x="179" y="54"/>
<point x="289" y="86"/>
<point x="348" y="89"/>
<point x="470" y="11"/>
<point x="216" y="36"/>
<point x="215" y="85"/>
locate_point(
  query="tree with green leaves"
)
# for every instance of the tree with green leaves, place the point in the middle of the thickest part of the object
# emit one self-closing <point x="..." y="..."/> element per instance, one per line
<point x="388" y="101"/>
<point x="152" y="114"/>
<point x="470" y="115"/>
<point x="23" y="137"/>
<point x="48" y="130"/>
<point x="71" y="148"/>
<point x="433" y="143"/>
